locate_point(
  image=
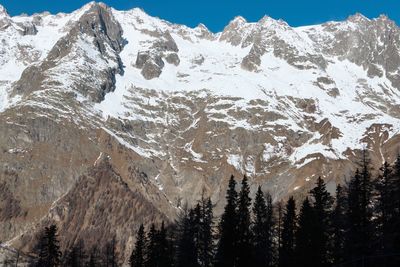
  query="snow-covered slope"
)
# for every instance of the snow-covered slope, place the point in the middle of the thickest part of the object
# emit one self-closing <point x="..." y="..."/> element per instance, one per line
<point x="183" y="108"/>
<point x="342" y="90"/>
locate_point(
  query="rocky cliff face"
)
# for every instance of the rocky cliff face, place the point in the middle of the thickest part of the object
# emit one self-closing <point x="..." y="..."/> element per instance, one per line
<point x="113" y="118"/>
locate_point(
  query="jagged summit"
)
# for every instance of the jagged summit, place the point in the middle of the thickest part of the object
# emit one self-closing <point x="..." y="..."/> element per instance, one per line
<point x="238" y="19"/>
<point x="3" y="11"/>
<point x="267" y="21"/>
<point x="357" y="18"/>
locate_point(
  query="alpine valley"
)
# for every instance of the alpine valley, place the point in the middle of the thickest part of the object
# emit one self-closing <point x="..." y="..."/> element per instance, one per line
<point x="110" y="119"/>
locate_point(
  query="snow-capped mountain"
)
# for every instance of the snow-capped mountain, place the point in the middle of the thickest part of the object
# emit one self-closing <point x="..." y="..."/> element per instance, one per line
<point x="168" y="112"/>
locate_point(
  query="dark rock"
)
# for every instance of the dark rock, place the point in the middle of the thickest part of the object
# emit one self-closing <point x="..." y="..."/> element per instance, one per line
<point x="173" y="58"/>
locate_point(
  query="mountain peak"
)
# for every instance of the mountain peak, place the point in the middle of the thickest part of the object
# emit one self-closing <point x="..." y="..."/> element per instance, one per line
<point x="3" y="12"/>
<point x="267" y="20"/>
<point x="93" y="4"/>
<point x="239" y="19"/>
<point x="357" y="18"/>
<point x="202" y="26"/>
<point x="384" y="18"/>
<point x="235" y="22"/>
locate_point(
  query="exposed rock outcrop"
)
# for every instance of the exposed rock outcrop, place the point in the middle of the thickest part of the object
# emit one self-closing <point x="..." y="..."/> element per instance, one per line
<point x="173" y="58"/>
<point x="27" y="28"/>
<point x="100" y="30"/>
<point x="102" y="206"/>
<point x="151" y="61"/>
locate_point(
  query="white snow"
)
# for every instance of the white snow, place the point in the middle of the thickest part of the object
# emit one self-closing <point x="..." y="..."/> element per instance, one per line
<point x="236" y="161"/>
<point x="276" y="81"/>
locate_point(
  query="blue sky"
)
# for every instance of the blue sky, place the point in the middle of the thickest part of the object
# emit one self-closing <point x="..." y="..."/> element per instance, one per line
<point x="215" y="14"/>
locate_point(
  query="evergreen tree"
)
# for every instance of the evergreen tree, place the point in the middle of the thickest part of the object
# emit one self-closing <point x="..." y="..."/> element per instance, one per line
<point x="306" y="237"/>
<point x="366" y="209"/>
<point x="93" y="258"/>
<point x="226" y="252"/>
<point x="49" y="248"/>
<point x="244" y="237"/>
<point x="197" y="229"/>
<point x="262" y="230"/>
<point x="384" y="208"/>
<point x="151" y="248"/>
<point x="339" y="226"/>
<point x="137" y="257"/>
<point x="365" y="234"/>
<point x="205" y="242"/>
<point x="163" y="247"/>
<point x="354" y="231"/>
<point x="286" y="250"/>
<point x="358" y="234"/>
<point x="279" y="227"/>
<point x="323" y="202"/>
<point x="396" y="205"/>
<point x="72" y="258"/>
<point x="270" y="225"/>
<point x="76" y="256"/>
<point x="186" y="248"/>
<point x="110" y="254"/>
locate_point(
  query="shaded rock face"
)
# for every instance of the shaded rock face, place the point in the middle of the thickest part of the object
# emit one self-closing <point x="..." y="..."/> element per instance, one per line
<point x="166" y="43"/>
<point x="173" y="58"/>
<point x="150" y="64"/>
<point x="199" y="60"/>
<point x="28" y="28"/>
<point x="99" y="22"/>
<point x="152" y="68"/>
<point x="234" y="32"/>
<point x="101" y="199"/>
<point x="151" y="61"/>
<point x="35" y="154"/>
<point x="141" y="59"/>
<point x="355" y="40"/>
<point x="265" y="37"/>
<point x="204" y="33"/>
<point x="96" y="28"/>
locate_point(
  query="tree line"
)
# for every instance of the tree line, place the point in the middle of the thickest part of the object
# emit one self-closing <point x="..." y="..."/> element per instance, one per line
<point x="357" y="226"/>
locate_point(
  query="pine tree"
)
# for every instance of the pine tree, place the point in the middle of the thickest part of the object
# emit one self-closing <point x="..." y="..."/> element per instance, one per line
<point x="206" y="246"/>
<point x="366" y="209"/>
<point x="384" y="208"/>
<point x="339" y="226"/>
<point x="197" y="229"/>
<point x="76" y="256"/>
<point x="137" y="257"/>
<point x="359" y="233"/>
<point x="271" y="235"/>
<point x="163" y="247"/>
<point x="49" y="248"/>
<point x="286" y="250"/>
<point x="367" y="227"/>
<point x="244" y="236"/>
<point x="354" y="231"/>
<point x="262" y="230"/>
<point x="72" y="258"/>
<point x="93" y="258"/>
<point x="323" y="202"/>
<point x="151" y="248"/>
<point x="396" y="205"/>
<point x="186" y="247"/>
<point x="226" y="252"/>
<point x="110" y="254"/>
<point x="278" y="230"/>
<point x="306" y="238"/>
